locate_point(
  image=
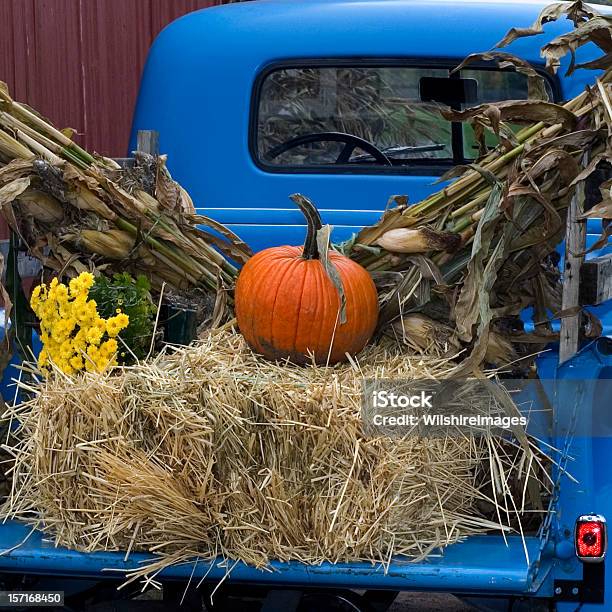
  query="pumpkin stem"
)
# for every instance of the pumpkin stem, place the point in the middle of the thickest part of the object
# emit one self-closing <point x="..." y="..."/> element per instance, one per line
<point x="313" y="219"/>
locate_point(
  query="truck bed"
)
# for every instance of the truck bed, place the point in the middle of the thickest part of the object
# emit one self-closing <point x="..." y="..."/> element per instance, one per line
<point x="480" y="564"/>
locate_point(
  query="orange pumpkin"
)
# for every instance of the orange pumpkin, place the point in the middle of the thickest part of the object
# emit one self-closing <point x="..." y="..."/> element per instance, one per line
<point x="287" y="306"/>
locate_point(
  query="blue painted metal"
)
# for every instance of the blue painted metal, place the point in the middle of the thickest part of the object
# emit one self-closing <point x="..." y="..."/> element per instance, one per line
<point x="198" y="81"/>
<point x="583" y="436"/>
<point x="604" y="311"/>
<point x="8" y="386"/>
<point x="481" y="564"/>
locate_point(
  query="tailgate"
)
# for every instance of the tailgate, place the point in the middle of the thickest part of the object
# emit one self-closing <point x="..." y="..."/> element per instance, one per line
<point x="480" y="564"/>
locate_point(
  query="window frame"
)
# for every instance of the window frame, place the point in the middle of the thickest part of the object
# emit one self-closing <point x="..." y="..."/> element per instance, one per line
<point x="417" y="167"/>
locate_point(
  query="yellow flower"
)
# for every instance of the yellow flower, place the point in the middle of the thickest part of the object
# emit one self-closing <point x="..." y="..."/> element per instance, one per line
<point x="80" y="340"/>
<point x="91" y="310"/>
<point x="77" y="362"/>
<point x="66" y="368"/>
<point x="61" y="294"/>
<point x="100" y="324"/>
<point x="49" y="311"/>
<point x="87" y="280"/>
<point x="109" y="348"/>
<point x="35" y="298"/>
<point x="66" y="350"/>
<point x="115" y="324"/>
<point x="43" y="358"/>
<point x="59" y="331"/>
<point x="94" y="335"/>
<point x="84" y="314"/>
<point x="76" y="287"/>
<point x="102" y="364"/>
<point x="72" y="331"/>
<point x="92" y="352"/>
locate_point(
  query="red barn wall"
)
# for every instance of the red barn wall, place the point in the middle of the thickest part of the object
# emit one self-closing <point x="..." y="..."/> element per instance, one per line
<point x="79" y="62"/>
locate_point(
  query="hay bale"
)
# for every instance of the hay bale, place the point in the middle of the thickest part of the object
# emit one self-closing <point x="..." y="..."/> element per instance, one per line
<point x="209" y="450"/>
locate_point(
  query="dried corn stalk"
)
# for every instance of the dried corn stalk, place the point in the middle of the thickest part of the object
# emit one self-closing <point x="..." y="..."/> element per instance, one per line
<point x="75" y="211"/>
<point x="508" y="208"/>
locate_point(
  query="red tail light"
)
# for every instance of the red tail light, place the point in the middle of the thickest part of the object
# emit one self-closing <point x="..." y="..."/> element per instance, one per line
<point x="591" y="538"/>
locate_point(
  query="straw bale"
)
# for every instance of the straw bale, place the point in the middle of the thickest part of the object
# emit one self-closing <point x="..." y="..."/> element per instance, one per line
<point x="209" y="451"/>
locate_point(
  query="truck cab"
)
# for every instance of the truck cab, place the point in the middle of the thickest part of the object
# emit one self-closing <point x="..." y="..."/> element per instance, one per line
<point x="334" y="99"/>
<point x="337" y="100"/>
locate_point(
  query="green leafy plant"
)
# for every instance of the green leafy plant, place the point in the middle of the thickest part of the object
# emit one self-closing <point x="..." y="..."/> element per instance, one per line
<point x="132" y="296"/>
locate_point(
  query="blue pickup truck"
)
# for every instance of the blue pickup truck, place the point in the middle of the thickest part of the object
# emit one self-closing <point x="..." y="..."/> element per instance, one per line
<point x="337" y="99"/>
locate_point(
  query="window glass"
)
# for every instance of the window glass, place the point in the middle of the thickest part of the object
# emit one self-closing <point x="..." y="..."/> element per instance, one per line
<point x="310" y="116"/>
<point x="492" y="86"/>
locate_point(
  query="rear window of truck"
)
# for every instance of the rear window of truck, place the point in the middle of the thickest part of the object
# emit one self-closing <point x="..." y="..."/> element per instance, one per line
<point x="334" y="118"/>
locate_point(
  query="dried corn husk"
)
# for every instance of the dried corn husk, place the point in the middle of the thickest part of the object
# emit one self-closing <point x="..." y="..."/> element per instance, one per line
<point x="150" y="202"/>
<point x="96" y="193"/>
<point x="425" y="334"/>
<point x="421" y="240"/>
<point x="113" y="244"/>
<point x="13" y="189"/>
<point x="87" y="200"/>
<point x="41" y="206"/>
<point x="12" y="148"/>
<point x="500" y="351"/>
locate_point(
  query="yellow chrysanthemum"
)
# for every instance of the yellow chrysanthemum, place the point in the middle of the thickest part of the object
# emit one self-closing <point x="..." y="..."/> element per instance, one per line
<point x="87" y="280"/>
<point x="66" y="368"/>
<point x="61" y="293"/>
<point x="59" y="331"/>
<point x="102" y="364"/>
<point x="75" y="287"/>
<point x="66" y="349"/>
<point x="92" y="313"/>
<point x="35" y="300"/>
<point x="71" y="327"/>
<point x="117" y="323"/>
<point x="77" y="362"/>
<point x="109" y="348"/>
<point x="94" y="335"/>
